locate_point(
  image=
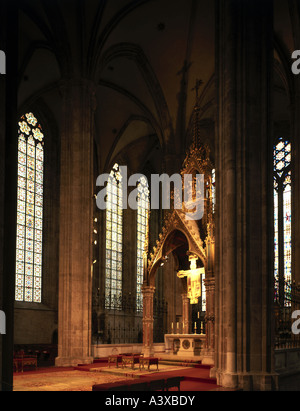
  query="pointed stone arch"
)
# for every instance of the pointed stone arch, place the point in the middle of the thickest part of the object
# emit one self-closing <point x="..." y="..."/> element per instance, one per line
<point x="175" y="222"/>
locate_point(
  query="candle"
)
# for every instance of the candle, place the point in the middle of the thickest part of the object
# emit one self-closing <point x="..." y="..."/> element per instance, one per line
<point x="198" y="315"/>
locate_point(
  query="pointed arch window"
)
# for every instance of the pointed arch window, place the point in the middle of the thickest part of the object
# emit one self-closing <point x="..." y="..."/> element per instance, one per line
<point x="114" y="241"/>
<point x="142" y="233"/>
<point x="283" y="221"/>
<point x="29" y="244"/>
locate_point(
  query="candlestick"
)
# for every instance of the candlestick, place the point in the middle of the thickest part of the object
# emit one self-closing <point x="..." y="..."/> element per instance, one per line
<point x="195" y="328"/>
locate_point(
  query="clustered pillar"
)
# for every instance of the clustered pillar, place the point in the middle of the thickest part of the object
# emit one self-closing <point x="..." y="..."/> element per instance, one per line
<point x="76" y="219"/>
<point x="148" y="320"/>
<point x="210" y="321"/>
<point x="185" y="314"/>
<point x="244" y="233"/>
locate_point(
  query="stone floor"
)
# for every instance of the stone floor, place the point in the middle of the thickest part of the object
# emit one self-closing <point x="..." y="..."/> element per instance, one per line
<point x="84" y="378"/>
<point x="62" y="381"/>
<point x="74" y="380"/>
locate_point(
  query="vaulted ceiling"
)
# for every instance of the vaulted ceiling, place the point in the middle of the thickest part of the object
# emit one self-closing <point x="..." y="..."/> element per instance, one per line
<point x="144" y="57"/>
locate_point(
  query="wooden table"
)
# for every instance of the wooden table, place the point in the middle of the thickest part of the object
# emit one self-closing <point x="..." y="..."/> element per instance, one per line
<point x="148" y="362"/>
<point x="131" y="360"/>
<point x="115" y="359"/>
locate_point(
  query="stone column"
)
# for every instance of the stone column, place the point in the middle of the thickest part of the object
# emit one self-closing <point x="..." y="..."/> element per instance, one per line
<point x="210" y="322"/>
<point x="185" y="314"/>
<point x="148" y="320"/>
<point x="295" y="121"/>
<point x="244" y="226"/>
<point x="210" y="313"/>
<point x="76" y="224"/>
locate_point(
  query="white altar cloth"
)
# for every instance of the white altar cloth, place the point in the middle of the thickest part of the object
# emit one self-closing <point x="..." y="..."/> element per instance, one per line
<point x="184" y="345"/>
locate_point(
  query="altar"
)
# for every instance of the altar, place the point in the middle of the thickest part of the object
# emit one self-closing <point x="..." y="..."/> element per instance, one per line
<point x="185" y="345"/>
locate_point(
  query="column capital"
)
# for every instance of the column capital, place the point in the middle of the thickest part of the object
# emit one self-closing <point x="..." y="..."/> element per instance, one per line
<point x="148" y="290"/>
<point x="210" y="283"/>
<point x="69" y="87"/>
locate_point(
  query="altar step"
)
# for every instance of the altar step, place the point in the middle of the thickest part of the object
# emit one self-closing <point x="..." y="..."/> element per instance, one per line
<point x="167" y="359"/>
<point x="178" y="363"/>
<point x="162" y="360"/>
<point x="186" y="364"/>
<point x="174" y="360"/>
<point x="100" y="360"/>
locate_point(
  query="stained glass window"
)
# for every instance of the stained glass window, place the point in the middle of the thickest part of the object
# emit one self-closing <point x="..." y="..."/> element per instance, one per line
<point x="283" y="221"/>
<point x="114" y="241"/>
<point x="29" y="242"/>
<point x="142" y="232"/>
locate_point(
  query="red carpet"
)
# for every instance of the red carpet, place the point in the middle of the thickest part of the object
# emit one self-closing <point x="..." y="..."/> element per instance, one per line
<point x="44" y="370"/>
<point x="88" y="367"/>
<point x="195" y="378"/>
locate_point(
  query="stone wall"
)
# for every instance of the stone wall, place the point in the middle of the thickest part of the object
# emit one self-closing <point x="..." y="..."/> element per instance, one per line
<point x="287" y="362"/>
<point x="35" y="326"/>
<point x="103" y="351"/>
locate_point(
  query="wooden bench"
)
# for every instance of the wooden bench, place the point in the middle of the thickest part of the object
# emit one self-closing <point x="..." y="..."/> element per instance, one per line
<point x="118" y="386"/>
<point x="148" y="362"/>
<point x="173" y="382"/>
<point x="156" y="384"/>
<point x="145" y="384"/>
<point x="160" y="383"/>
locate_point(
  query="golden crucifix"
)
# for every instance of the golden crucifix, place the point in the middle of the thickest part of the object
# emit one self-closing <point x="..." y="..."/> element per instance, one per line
<point x="193" y="280"/>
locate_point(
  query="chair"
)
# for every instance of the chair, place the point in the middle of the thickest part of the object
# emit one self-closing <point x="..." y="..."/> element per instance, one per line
<point x="21" y="361"/>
